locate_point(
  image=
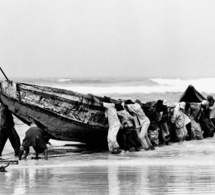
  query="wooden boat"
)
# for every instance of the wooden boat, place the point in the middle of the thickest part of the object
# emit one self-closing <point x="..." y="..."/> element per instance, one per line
<point x="62" y="114"/>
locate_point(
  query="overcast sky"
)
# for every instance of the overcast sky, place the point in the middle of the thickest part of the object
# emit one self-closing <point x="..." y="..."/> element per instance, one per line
<point x="74" y="38"/>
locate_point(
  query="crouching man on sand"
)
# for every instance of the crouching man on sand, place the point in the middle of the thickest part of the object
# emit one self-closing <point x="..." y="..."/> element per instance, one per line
<point x="33" y="137"/>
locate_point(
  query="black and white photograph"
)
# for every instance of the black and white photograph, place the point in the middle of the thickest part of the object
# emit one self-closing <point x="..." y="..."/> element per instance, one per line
<point x="107" y="97"/>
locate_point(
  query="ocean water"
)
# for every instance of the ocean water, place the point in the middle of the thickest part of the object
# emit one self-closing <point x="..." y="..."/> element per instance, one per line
<point x="179" y="168"/>
<point x="145" y="89"/>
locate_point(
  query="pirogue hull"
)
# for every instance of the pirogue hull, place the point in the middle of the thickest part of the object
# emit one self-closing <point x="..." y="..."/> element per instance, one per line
<point x="63" y="114"/>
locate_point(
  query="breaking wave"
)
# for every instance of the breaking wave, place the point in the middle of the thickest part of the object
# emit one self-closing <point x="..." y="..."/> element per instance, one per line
<point x="153" y="85"/>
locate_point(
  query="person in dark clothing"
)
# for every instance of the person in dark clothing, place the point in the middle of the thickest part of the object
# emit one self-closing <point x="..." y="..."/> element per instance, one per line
<point x="201" y="114"/>
<point x="154" y="116"/>
<point x="7" y="130"/>
<point x="34" y="137"/>
<point x="205" y="121"/>
<point x="127" y="136"/>
<point x="164" y="134"/>
<point x="211" y="108"/>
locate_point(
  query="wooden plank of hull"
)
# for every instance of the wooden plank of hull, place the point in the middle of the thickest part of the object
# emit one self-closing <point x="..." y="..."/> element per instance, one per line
<point x="59" y="128"/>
<point x="69" y="108"/>
<point x="33" y="103"/>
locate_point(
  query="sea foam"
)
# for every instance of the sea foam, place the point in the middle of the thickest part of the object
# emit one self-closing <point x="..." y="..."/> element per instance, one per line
<point x="159" y="85"/>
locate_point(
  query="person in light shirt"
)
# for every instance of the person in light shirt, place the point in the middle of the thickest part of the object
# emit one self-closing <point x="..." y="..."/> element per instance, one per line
<point x="114" y="126"/>
<point x="135" y="108"/>
<point x="113" y="122"/>
<point x="178" y="119"/>
<point x="127" y="136"/>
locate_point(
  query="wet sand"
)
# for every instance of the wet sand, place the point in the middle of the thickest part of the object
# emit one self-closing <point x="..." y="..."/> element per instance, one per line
<point x="181" y="168"/>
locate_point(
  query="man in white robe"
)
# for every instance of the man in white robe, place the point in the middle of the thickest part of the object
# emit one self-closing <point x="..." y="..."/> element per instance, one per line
<point x="114" y="126"/>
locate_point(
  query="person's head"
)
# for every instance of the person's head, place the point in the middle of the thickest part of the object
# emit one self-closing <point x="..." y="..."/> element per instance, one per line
<point x="205" y="104"/>
<point x="182" y="105"/>
<point x="210" y="100"/>
<point x="138" y="101"/>
<point x="171" y="111"/>
<point x="159" y="105"/>
<point x="164" y="102"/>
<point x="107" y="99"/>
<point x="120" y="101"/>
<point x="129" y="101"/>
<point x="119" y="107"/>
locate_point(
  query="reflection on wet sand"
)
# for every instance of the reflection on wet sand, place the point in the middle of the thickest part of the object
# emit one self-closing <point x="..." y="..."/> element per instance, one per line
<point x="110" y="180"/>
<point x="186" y="168"/>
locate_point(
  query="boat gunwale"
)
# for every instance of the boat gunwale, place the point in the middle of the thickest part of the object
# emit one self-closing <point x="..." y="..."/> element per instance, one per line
<point x="64" y="91"/>
<point x="51" y="96"/>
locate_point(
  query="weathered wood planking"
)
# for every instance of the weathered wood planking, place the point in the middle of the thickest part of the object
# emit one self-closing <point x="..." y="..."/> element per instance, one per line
<point x="69" y="116"/>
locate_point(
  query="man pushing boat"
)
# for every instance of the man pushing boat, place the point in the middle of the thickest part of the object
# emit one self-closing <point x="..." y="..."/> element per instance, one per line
<point x="7" y="130"/>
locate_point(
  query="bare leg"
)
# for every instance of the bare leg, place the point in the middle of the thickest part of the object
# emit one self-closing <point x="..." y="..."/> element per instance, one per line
<point x="148" y="141"/>
<point x="37" y="156"/>
<point x="143" y="135"/>
<point x="164" y="131"/>
<point x="3" y="140"/>
<point x="26" y="152"/>
<point x="14" y="140"/>
<point x="21" y="153"/>
<point x="112" y="134"/>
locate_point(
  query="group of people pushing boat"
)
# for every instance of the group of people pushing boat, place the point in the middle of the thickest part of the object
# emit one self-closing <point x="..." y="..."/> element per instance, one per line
<point x="135" y="126"/>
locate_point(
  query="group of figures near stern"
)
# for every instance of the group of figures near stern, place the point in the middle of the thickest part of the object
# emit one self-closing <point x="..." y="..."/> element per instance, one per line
<point x="136" y="126"/>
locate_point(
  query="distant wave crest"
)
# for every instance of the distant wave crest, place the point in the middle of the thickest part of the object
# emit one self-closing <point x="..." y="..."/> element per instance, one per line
<point x="178" y="85"/>
<point x="63" y="80"/>
<point x="158" y="85"/>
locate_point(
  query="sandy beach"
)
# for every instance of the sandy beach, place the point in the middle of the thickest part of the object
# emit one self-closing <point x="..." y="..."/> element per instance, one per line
<point x="180" y="168"/>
